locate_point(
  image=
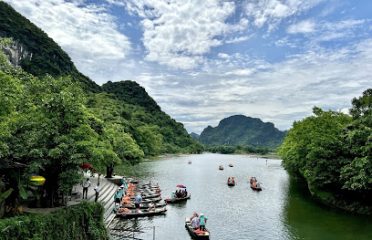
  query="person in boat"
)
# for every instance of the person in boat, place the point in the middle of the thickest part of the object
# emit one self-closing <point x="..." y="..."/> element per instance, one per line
<point x="185" y="193"/>
<point x="195" y="222"/>
<point x="202" y="221"/>
<point x="137" y="201"/>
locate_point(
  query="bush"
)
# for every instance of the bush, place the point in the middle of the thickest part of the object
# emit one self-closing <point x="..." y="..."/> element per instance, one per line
<point x="83" y="221"/>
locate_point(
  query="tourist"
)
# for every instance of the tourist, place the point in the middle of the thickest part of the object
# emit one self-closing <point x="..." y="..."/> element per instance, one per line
<point x="86" y="185"/>
<point x="137" y="201"/>
<point x="118" y="195"/>
<point x="96" y="190"/>
<point x="202" y="221"/>
<point x="195" y="222"/>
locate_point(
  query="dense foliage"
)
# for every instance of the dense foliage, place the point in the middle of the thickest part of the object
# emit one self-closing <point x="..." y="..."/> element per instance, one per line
<point x="332" y="152"/>
<point x="228" y="149"/>
<point x="53" y="119"/>
<point x="83" y="221"/>
<point x="242" y="130"/>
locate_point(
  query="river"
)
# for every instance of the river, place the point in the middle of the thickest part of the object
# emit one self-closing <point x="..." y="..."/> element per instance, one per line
<point x="283" y="210"/>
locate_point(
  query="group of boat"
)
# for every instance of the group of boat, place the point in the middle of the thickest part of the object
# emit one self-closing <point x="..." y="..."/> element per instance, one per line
<point x="146" y="200"/>
<point x="151" y="201"/>
<point x="255" y="185"/>
<point x="222" y="168"/>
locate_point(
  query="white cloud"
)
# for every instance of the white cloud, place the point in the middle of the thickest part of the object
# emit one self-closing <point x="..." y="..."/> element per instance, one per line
<point x="237" y="39"/>
<point x="86" y="32"/>
<point x="306" y="26"/>
<point x="282" y="92"/>
<point x="273" y="11"/>
<point x="179" y="33"/>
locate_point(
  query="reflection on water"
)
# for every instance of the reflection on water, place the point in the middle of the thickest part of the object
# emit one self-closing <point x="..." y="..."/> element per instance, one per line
<point x="280" y="211"/>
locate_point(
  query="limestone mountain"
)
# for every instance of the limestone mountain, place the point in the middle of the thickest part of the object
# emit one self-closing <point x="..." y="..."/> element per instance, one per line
<point x="242" y="130"/>
<point x="120" y="105"/>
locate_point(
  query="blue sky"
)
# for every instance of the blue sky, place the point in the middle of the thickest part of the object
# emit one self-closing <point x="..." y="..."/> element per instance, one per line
<point x="206" y="60"/>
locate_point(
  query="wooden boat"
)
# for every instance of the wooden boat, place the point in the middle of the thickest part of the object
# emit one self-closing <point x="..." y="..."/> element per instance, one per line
<point x="148" y="200"/>
<point x="196" y="234"/>
<point x="230" y="165"/>
<point x="255" y="185"/>
<point x="231" y="181"/>
<point x="142" y="213"/>
<point x="147" y="196"/>
<point x="175" y="200"/>
<point x="145" y="206"/>
<point x="220" y="167"/>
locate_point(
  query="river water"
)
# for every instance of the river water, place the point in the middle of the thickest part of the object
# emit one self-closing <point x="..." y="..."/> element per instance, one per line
<point x="282" y="210"/>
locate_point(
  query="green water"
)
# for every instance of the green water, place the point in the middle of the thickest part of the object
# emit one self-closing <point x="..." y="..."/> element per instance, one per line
<point x="283" y="210"/>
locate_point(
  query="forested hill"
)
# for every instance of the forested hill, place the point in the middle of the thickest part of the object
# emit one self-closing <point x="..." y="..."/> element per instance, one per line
<point x="132" y="93"/>
<point x="37" y="53"/>
<point x="53" y="119"/>
<point x="242" y="130"/>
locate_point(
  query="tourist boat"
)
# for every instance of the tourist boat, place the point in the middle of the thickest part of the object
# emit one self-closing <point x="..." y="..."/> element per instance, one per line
<point x="220" y="167"/>
<point x="196" y="233"/>
<point x="129" y="213"/>
<point x="148" y="196"/>
<point x="175" y="200"/>
<point x="145" y="206"/>
<point x="148" y="200"/>
<point x="231" y="181"/>
<point x="230" y="165"/>
<point x="254" y="184"/>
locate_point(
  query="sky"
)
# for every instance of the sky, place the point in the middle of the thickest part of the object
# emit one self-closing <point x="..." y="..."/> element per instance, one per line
<point x="204" y="60"/>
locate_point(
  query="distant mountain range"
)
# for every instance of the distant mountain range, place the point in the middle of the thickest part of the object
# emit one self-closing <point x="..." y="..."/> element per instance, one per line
<point x="242" y="130"/>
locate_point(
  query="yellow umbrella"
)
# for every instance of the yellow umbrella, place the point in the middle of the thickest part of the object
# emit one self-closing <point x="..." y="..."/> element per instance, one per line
<point x="37" y="180"/>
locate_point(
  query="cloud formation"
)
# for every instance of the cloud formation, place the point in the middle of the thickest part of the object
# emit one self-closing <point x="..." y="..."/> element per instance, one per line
<point x="86" y="32"/>
<point x="206" y="60"/>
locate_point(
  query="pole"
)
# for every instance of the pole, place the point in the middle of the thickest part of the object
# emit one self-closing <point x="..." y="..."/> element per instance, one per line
<point x="153" y="233"/>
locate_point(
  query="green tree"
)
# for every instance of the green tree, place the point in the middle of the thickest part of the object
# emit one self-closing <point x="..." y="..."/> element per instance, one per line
<point x="314" y="148"/>
<point x="357" y="174"/>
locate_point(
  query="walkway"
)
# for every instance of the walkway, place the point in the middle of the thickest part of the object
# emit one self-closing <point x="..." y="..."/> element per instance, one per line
<point x="106" y="196"/>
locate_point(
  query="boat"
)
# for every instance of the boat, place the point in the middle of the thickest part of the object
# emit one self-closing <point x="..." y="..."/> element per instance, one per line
<point x="196" y="233"/>
<point x="220" y="167"/>
<point x="145" y="206"/>
<point x="230" y="165"/>
<point x="147" y="200"/>
<point x="231" y="181"/>
<point x="175" y="200"/>
<point x="129" y="213"/>
<point x="255" y="185"/>
<point x="189" y="162"/>
<point x="149" y="196"/>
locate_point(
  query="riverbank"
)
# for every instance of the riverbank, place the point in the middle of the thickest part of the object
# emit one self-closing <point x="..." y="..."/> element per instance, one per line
<point x="342" y="202"/>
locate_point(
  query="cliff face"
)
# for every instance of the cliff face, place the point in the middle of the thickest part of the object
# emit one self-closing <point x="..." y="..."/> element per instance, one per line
<point x="16" y="53"/>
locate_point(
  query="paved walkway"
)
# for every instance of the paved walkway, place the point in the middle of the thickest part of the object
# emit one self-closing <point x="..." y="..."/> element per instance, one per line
<point x="106" y="195"/>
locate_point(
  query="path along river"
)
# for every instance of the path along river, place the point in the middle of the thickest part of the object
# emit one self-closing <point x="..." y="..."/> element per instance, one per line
<point x="282" y="210"/>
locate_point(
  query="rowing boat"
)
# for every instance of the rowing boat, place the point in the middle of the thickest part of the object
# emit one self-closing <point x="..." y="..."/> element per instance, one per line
<point x="145" y="206"/>
<point x="128" y="213"/>
<point x="175" y="200"/>
<point x="196" y="233"/>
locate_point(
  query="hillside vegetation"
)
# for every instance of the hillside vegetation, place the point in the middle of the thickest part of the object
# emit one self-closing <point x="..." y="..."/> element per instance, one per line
<point x="332" y="151"/>
<point x="53" y="119"/>
<point x="244" y="131"/>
